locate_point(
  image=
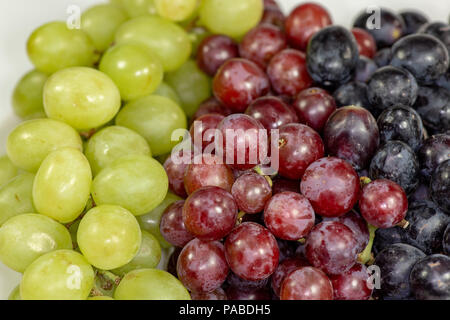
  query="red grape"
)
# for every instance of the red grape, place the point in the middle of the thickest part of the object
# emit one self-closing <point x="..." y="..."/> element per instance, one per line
<point x="314" y="106"/>
<point x="271" y="112"/>
<point x="248" y="295"/>
<point x="304" y="21"/>
<point x="262" y="43"/>
<point x="271" y="4"/>
<point x="383" y="203"/>
<point x="306" y="283"/>
<point x="283" y="270"/>
<point x="288" y="73"/>
<point x="252" y="251"/>
<point x="289" y="216"/>
<point x="238" y="82"/>
<point x="332" y="247"/>
<point x="332" y="186"/>
<point x="202" y="266"/>
<point x="366" y="43"/>
<point x="214" y="51"/>
<point x="211" y="172"/>
<point x="352" y="284"/>
<point x="202" y="130"/>
<point x="234" y="281"/>
<point x="245" y="141"/>
<point x="172" y="263"/>
<point x="212" y="105"/>
<point x="352" y="134"/>
<point x="274" y="17"/>
<point x="299" y="146"/>
<point x="251" y="192"/>
<point x="218" y="294"/>
<point x="172" y="226"/>
<point x="210" y="213"/>
<point x="175" y="173"/>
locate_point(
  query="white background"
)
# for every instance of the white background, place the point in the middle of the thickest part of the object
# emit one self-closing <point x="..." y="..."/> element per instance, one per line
<point x="20" y="17"/>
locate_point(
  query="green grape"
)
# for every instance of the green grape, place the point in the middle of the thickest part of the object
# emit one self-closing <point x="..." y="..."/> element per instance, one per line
<point x="150" y="284"/>
<point x="148" y="256"/>
<point x="100" y="298"/>
<point x="109" y="237"/>
<point x="167" y="91"/>
<point x="233" y="18"/>
<point x="161" y="36"/>
<point x="112" y="143"/>
<point x="26" y="237"/>
<point x="7" y="170"/>
<point x="58" y="275"/>
<point x="82" y="97"/>
<point x="135" y="8"/>
<point x="15" y="294"/>
<point x="137" y="183"/>
<point x="101" y="22"/>
<point x="62" y="185"/>
<point x="176" y="10"/>
<point x="32" y="141"/>
<point x="197" y="35"/>
<point x="192" y="86"/>
<point x="155" y="118"/>
<point x="54" y="46"/>
<point x="16" y="197"/>
<point x="150" y="221"/>
<point x="27" y="97"/>
<point x="136" y="71"/>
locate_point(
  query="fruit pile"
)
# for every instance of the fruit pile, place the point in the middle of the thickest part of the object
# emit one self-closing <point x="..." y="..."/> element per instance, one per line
<point x="355" y="125"/>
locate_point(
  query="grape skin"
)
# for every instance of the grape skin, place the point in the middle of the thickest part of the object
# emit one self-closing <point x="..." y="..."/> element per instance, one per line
<point x="7" y="170"/>
<point x="27" y="97"/>
<point x="16" y="197"/>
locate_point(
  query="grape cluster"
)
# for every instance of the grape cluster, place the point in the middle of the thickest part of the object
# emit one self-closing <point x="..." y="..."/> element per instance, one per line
<point x="356" y="123"/>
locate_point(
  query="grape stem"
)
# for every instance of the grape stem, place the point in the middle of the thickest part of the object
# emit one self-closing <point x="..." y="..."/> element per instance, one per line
<point x="366" y="257"/>
<point x="241" y="215"/>
<point x="259" y="171"/>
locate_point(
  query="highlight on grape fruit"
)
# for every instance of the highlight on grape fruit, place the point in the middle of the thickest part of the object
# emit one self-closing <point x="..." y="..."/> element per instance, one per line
<point x="230" y="150"/>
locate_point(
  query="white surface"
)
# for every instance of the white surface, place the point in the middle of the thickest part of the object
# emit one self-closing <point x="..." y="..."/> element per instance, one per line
<point x="20" y="17"/>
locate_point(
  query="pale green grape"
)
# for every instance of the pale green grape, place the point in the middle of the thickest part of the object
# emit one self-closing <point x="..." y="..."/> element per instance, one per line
<point x="109" y="237"/>
<point x="98" y="298"/>
<point x="148" y="256"/>
<point x="161" y="36"/>
<point x="150" y="221"/>
<point x="197" y="35"/>
<point x="32" y="141"/>
<point x="27" y="97"/>
<point x="155" y="118"/>
<point x="176" y="10"/>
<point x="82" y="97"/>
<point x="233" y="18"/>
<point x="113" y="143"/>
<point x="54" y="46"/>
<point x="62" y="185"/>
<point x="151" y="284"/>
<point x="58" y="275"/>
<point x="135" y="70"/>
<point x="16" y="197"/>
<point x="15" y="294"/>
<point x="7" y="170"/>
<point x="192" y="86"/>
<point x="101" y="22"/>
<point x="137" y="183"/>
<point x="26" y="237"/>
<point x="135" y="8"/>
<point x="167" y="91"/>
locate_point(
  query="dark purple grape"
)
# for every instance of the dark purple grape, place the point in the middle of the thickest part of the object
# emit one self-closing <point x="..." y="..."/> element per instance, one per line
<point x="365" y="68"/>
<point x="426" y="228"/>
<point x="391" y="27"/>
<point x="352" y="134"/>
<point x="413" y="21"/>
<point x="440" y="186"/>
<point x="387" y="237"/>
<point x="446" y="241"/>
<point x="251" y="192"/>
<point x="235" y="294"/>
<point x="402" y="124"/>
<point x="423" y="55"/>
<point x="214" y="51"/>
<point x="444" y="81"/>
<point x="383" y="57"/>
<point x="353" y="94"/>
<point x="433" y="152"/>
<point x="234" y="281"/>
<point x="438" y="29"/>
<point x="422" y="193"/>
<point x="396" y="161"/>
<point x="352" y="284"/>
<point x="172" y="263"/>
<point x="430" y="278"/>
<point x="395" y="263"/>
<point x="287" y="249"/>
<point x="332" y="56"/>
<point x="433" y="105"/>
<point x="390" y="86"/>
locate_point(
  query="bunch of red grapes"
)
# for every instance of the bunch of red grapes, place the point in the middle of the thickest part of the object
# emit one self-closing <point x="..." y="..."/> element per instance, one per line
<point x="363" y="118"/>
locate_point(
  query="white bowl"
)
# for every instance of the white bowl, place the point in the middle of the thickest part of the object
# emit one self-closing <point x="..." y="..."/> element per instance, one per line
<point x="21" y="17"/>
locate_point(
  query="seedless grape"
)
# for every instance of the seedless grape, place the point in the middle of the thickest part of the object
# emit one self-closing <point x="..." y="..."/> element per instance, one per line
<point x="16" y="197"/>
<point x="7" y="170"/>
<point x="176" y="10"/>
<point x="27" y="97"/>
